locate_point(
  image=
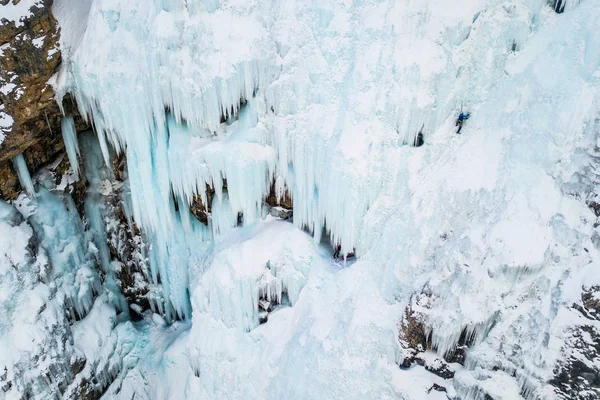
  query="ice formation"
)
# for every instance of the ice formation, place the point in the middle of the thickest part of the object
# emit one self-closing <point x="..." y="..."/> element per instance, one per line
<point x="42" y="274"/>
<point x="68" y="250"/>
<point x="23" y="172"/>
<point x="322" y="101"/>
<point x="71" y="144"/>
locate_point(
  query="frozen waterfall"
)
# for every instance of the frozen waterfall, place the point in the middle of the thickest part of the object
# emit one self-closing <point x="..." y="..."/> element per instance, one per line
<point x="226" y="103"/>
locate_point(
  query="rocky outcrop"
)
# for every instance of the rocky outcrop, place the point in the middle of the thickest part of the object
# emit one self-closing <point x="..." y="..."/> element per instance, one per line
<point x="280" y="206"/>
<point x="414" y="342"/>
<point x="284" y="201"/>
<point x="200" y="210"/>
<point x="577" y="375"/>
<point x="30" y="118"/>
<point x="29" y="57"/>
<point x="128" y="248"/>
<point x="411" y="337"/>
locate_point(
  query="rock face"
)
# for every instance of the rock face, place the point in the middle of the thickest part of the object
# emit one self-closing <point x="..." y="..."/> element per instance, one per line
<point x="29" y="115"/>
<point x="281" y="207"/>
<point x="198" y="209"/>
<point x="411" y="337"/>
<point x="414" y="343"/>
<point x="285" y="200"/>
<point x="278" y="207"/>
<point x="29" y="57"/>
<point x="577" y="375"/>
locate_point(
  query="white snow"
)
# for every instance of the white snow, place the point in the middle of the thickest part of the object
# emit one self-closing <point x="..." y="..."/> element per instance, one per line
<point x="72" y="16"/>
<point x="6" y="123"/>
<point x="38" y="42"/>
<point x="18" y="12"/>
<point x="34" y="357"/>
<point x="6" y="89"/>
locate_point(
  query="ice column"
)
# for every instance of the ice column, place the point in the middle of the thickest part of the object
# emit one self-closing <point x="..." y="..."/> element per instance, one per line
<point x="70" y="138"/>
<point x="24" y="177"/>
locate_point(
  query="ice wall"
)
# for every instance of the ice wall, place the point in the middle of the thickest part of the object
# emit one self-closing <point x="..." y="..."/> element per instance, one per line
<point x="322" y="98"/>
<point x="332" y="117"/>
<point x="200" y="92"/>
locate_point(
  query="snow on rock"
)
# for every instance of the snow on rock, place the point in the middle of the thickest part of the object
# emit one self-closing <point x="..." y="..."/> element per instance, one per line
<point x="578" y="368"/>
<point x="109" y="350"/>
<point x="51" y="273"/>
<point x="18" y="12"/>
<point x="28" y="58"/>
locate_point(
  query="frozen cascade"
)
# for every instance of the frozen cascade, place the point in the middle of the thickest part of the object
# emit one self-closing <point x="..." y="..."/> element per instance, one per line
<point x="35" y="357"/>
<point x="326" y="97"/>
<point x="61" y="233"/>
<point x="308" y="188"/>
<point x="99" y="178"/>
<point x="69" y="135"/>
<point x="239" y="153"/>
<point x="307" y="159"/>
<point x="272" y="268"/>
<point x="24" y="176"/>
<point x="172" y="259"/>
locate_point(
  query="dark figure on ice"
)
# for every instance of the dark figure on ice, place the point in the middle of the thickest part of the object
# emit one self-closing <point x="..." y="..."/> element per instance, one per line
<point x="338" y="248"/>
<point x="459" y="122"/>
<point x="419" y="141"/>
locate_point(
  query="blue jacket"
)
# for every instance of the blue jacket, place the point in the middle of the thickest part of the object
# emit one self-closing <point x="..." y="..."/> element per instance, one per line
<point x="462" y="116"/>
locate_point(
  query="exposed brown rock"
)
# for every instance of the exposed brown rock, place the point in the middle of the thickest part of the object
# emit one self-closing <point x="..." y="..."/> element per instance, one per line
<point x="285" y="201"/>
<point x="200" y="210"/>
<point x="9" y="183"/>
<point x="411" y="337"/>
<point x="78" y="365"/>
<point x="29" y="56"/>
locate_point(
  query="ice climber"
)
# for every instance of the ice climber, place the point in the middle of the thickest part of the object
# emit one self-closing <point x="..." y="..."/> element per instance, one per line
<point x="338" y="249"/>
<point x="459" y="122"/>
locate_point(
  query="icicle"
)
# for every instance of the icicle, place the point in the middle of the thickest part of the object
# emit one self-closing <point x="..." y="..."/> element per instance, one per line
<point x="445" y="340"/>
<point x="69" y="135"/>
<point x="24" y="176"/>
<point x="234" y="289"/>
